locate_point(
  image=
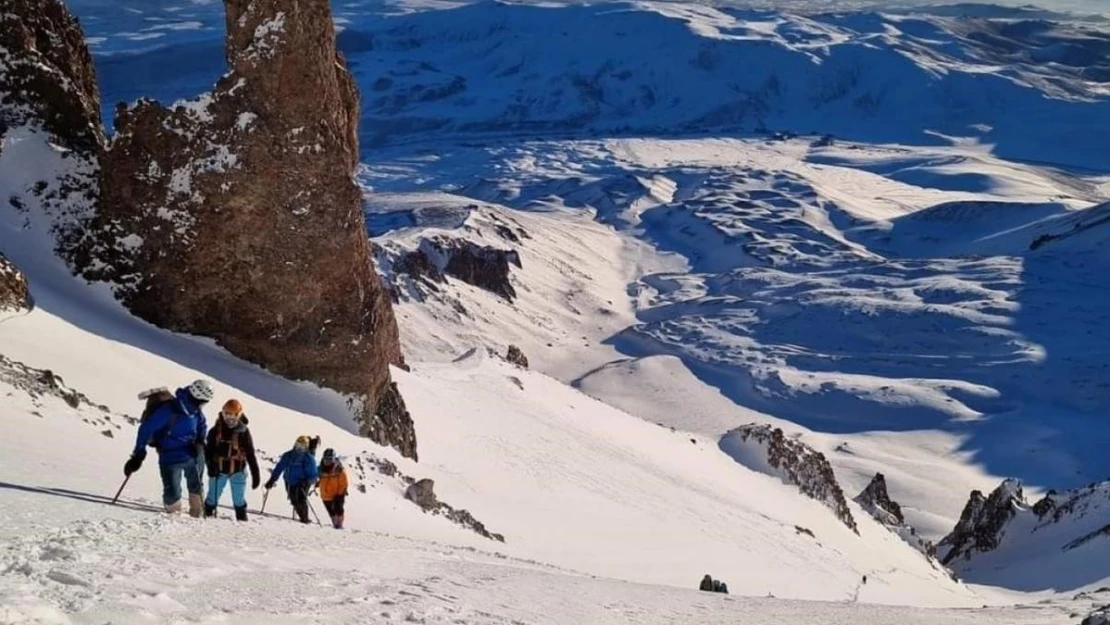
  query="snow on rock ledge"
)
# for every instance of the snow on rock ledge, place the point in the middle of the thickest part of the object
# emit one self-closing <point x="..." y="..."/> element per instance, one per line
<point x="235" y="216"/>
<point x="768" y="450"/>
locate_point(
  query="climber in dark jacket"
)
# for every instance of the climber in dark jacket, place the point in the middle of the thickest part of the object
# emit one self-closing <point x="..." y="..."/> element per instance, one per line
<point x="230" y="451"/>
<point x="298" y="465"/>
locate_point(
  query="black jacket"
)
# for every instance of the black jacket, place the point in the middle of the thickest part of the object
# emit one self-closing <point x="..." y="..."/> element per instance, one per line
<point x="228" y="449"/>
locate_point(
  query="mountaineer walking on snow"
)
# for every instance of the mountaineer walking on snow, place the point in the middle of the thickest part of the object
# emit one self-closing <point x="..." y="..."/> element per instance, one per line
<point x="230" y="451"/>
<point x="175" y="426"/>
<point x="299" y="467"/>
<point x="333" y="487"/>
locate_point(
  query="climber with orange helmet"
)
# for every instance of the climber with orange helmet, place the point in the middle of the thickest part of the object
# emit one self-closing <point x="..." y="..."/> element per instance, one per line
<point x="229" y="451"/>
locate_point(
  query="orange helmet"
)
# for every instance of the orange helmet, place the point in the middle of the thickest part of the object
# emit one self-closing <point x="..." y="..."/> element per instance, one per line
<point x="232" y="409"/>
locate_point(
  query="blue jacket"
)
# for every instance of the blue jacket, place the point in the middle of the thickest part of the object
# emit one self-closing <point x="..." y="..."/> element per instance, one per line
<point x="179" y="443"/>
<point x="298" y="466"/>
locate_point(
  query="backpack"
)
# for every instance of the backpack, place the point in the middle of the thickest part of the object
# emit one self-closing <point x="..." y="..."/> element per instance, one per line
<point x="155" y="399"/>
<point x="236" y="453"/>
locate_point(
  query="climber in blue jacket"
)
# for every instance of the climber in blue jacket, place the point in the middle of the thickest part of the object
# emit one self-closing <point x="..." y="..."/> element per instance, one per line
<point x="175" y="426"/>
<point x="301" y="473"/>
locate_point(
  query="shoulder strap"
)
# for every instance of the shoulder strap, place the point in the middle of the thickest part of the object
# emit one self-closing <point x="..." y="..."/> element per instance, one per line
<point x="175" y="414"/>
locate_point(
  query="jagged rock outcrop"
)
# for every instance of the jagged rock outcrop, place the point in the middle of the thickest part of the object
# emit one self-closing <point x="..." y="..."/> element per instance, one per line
<point x="422" y="493"/>
<point x="483" y="266"/>
<point x="1100" y="616"/>
<point x="49" y="118"/>
<point x="765" y="448"/>
<point x="876" y="501"/>
<point x="516" y="356"/>
<point x="14" y="294"/>
<point x="983" y="521"/>
<point x="235" y="216"/>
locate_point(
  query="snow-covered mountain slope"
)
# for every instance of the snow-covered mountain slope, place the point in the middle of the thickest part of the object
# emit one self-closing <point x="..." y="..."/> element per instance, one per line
<point x="924" y="308"/>
<point x="894" y="304"/>
<point x="566" y="479"/>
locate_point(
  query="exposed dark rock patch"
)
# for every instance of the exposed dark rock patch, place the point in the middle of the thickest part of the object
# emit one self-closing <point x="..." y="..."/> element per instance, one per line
<point x="516" y="356"/>
<point x="43" y="384"/>
<point x="422" y="493"/>
<point x="416" y="273"/>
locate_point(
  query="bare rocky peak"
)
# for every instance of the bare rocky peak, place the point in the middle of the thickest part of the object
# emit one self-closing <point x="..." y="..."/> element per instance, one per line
<point x="878" y="503"/>
<point x="799" y="464"/>
<point x="983" y="521"/>
<point x="235" y="216"/>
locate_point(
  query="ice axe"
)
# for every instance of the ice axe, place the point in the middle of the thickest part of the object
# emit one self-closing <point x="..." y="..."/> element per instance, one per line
<point x="120" y="491"/>
<point x="265" y="496"/>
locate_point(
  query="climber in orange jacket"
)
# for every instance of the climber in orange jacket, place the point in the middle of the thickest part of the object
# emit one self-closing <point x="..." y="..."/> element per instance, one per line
<point x="333" y="487"/>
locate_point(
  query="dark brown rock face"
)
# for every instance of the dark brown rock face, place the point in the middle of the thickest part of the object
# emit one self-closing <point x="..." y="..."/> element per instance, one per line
<point x="875" y="498"/>
<point x="48" y="92"/>
<point x="484" y="267"/>
<point x="47" y="75"/>
<point x="982" y="521"/>
<point x="235" y="215"/>
<point x="801" y="465"/>
<point x="14" y="295"/>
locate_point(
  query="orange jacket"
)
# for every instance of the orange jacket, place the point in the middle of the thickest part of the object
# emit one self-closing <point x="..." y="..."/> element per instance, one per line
<point x="333" y="483"/>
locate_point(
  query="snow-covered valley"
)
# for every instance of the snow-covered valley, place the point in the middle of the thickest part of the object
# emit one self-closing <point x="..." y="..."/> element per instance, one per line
<point x="885" y="234"/>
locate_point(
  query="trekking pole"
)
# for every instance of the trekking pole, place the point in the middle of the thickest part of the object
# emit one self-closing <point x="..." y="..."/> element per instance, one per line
<point x="314" y="513"/>
<point x="121" y="486"/>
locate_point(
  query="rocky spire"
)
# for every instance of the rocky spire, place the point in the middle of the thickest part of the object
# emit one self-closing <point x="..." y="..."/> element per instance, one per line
<point x="235" y="216"/>
<point x="876" y="501"/>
